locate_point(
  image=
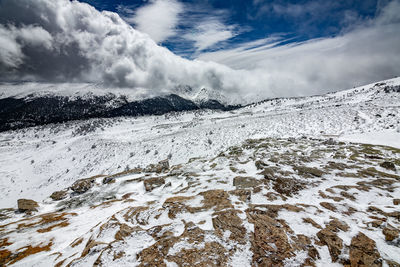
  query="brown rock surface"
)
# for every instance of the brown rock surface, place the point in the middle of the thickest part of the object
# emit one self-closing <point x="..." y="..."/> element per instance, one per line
<point x="363" y="252"/>
<point x="270" y="244"/>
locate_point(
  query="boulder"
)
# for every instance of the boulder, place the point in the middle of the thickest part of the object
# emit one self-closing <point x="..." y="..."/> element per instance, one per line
<point x="396" y="201"/>
<point x="151" y="183"/>
<point x="59" y="195"/>
<point x="363" y="252"/>
<point x="27" y="205"/>
<point x="82" y="185"/>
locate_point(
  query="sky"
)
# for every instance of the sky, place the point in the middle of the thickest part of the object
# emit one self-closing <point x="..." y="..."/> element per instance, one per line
<point x="189" y="28"/>
<point x="246" y="50"/>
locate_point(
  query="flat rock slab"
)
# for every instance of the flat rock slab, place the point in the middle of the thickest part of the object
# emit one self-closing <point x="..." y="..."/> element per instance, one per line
<point x="245" y="182"/>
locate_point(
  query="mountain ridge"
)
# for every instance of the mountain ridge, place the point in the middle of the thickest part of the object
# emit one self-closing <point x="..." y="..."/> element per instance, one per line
<point x="58" y="105"/>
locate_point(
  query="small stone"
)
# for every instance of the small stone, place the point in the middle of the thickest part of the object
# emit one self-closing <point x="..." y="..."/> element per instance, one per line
<point x="396" y="201"/>
<point x="108" y="180"/>
<point x="390" y="233"/>
<point x="27" y="205"/>
<point x="388" y="165"/>
<point x="59" y="195"/>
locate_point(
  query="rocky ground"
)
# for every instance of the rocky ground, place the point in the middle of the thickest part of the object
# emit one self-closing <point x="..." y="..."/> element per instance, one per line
<point x="268" y="202"/>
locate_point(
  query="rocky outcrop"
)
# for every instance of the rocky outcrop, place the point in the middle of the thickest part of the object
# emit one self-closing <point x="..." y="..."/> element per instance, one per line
<point x="197" y="214"/>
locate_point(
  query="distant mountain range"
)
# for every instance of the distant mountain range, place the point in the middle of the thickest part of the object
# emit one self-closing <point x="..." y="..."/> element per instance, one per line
<point x="34" y="110"/>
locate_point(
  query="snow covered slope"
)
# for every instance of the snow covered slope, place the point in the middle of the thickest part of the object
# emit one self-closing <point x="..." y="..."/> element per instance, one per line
<point x="36" y="161"/>
<point x="252" y="186"/>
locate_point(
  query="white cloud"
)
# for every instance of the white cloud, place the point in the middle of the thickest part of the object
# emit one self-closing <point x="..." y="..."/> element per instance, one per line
<point x="158" y="19"/>
<point x="209" y="33"/>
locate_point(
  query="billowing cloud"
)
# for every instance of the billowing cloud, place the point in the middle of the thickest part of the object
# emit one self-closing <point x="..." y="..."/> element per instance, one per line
<point x="62" y="40"/>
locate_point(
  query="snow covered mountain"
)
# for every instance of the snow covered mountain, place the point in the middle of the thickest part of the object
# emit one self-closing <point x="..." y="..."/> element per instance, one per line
<point x="53" y="105"/>
<point x="282" y="182"/>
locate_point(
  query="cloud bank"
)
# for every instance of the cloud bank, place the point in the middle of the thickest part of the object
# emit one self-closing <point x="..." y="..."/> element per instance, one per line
<point x="69" y="41"/>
